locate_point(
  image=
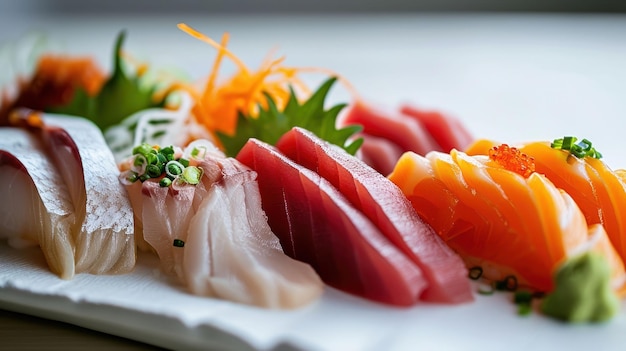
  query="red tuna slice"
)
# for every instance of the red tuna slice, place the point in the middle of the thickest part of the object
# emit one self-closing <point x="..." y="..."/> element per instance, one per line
<point x="384" y="204"/>
<point x="317" y="225"/>
<point x="407" y="133"/>
<point x="380" y="154"/>
<point x="447" y="131"/>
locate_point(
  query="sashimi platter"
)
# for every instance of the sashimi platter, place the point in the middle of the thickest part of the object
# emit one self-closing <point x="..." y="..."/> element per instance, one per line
<point x="247" y="211"/>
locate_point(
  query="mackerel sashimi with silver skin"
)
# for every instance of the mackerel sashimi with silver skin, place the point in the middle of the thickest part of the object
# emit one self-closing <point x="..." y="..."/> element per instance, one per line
<point x="104" y="239"/>
<point x="214" y="236"/>
<point x="31" y="188"/>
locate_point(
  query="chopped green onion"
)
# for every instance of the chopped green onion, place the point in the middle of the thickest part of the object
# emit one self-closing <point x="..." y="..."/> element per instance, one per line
<point x="153" y="171"/>
<point x="196" y="151"/>
<point x="168" y="152"/>
<point x="568" y="141"/>
<point x="152" y="158"/>
<point x="132" y="177"/>
<point x="192" y="175"/>
<point x="523" y="297"/>
<point x="165" y="182"/>
<point x="509" y="283"/>
<point x="152" y="162"/>
<point x="140" y="160"/>
<point x="161" y="158"/>
<point x="524" y="300"/>
<point x="174" y="168"/>
<point x="583" y="148"/>
<point x="486" y="289"/>
<point x="475" y="273"/>
<point x="524" y="309"/>
<point x="142" y="149"/>
<point x="179" y="243"/>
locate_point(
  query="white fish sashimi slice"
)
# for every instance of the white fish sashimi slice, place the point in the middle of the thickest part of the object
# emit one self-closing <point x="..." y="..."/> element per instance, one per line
<point x="166" y="213"/>
<point x="105" y="243"/>
<point x="35" y="204"/>
<point x="231" y="252"/>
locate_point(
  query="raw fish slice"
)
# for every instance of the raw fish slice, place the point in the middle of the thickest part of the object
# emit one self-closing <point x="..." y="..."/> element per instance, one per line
<point x="162" y="214"/>
<point x="348" y="251"/>
<point x="136" y="201"/>
<point x="35" y="204"/>
<point x="166" y="213"/>
<point x="447" y="131"/>
<point x="104" y="216"/>
<point x="553" y="228"/>
<point x="231" y="252"/>
<point x="383" y="203"/>
<point x="379" y="153"/>
<point x="598" y="191"/>
<point x="406" y="132"/>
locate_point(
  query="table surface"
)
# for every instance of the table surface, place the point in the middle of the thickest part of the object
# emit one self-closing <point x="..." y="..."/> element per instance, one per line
<point x="508" y="77"/>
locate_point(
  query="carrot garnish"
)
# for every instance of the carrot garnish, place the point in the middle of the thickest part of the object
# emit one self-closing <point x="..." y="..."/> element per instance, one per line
<point x="218" y="106"/>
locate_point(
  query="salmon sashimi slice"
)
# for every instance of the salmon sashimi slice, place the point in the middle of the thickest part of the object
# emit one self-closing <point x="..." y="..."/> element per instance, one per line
<point x="317" y="224"/>
<point x="36" y="205"/>
<point x="214" y="237"/>
<point x="383" y="203"/>
<point x="104" y="242"/>
<point x="232" y="253"/>
<point x="599" y="191"/>
<point x="501" y="221"/>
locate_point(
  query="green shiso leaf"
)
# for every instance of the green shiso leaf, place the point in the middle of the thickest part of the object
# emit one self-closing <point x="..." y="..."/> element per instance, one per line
<point x="272" y="123"/>
<point x="121" y="96"/>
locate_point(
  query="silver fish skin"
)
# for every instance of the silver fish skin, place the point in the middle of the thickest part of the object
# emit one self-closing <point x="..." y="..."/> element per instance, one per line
<point x="34" y="202"/>
<point x="105" y="241"/>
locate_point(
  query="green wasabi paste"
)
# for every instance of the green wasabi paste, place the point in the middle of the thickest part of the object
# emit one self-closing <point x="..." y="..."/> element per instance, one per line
<point x="582" y="291"/>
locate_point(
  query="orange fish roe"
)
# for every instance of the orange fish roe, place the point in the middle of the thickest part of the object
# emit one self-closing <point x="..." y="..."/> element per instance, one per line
<point x="512" y="159"/>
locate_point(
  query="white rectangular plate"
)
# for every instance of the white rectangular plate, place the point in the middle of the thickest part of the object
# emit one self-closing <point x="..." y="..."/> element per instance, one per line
<point x="145" y="306"/>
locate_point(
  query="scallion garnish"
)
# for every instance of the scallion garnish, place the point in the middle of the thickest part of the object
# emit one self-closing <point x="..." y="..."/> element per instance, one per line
<point x="524" y="300"/>
<point x="486" y="289"/>
<point x="475" y="273"/>
<point x="581" y="149"/>
<point x="165" y="182"/>
<point x="191" y="175"/>
<point x="154" y="162"/>
<point x="179" y="243"/>
<point x="509" y="283"/>
<point x="523" y="297"/>
<point x="174" y="168"/>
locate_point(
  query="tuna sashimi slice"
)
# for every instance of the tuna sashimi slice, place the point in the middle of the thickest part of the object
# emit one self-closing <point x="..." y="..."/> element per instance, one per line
<point x="383" y="203"/>
<point x="447" y="131"/>
<point x="231" y="252"/>
<point x="379" y="153"/>
<point x="317" y="224"/>
<point x="104" y="216"/>
<point x="35" y="203"/>
<point x="228" y="250"/>
<point x="408" y="133"/>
